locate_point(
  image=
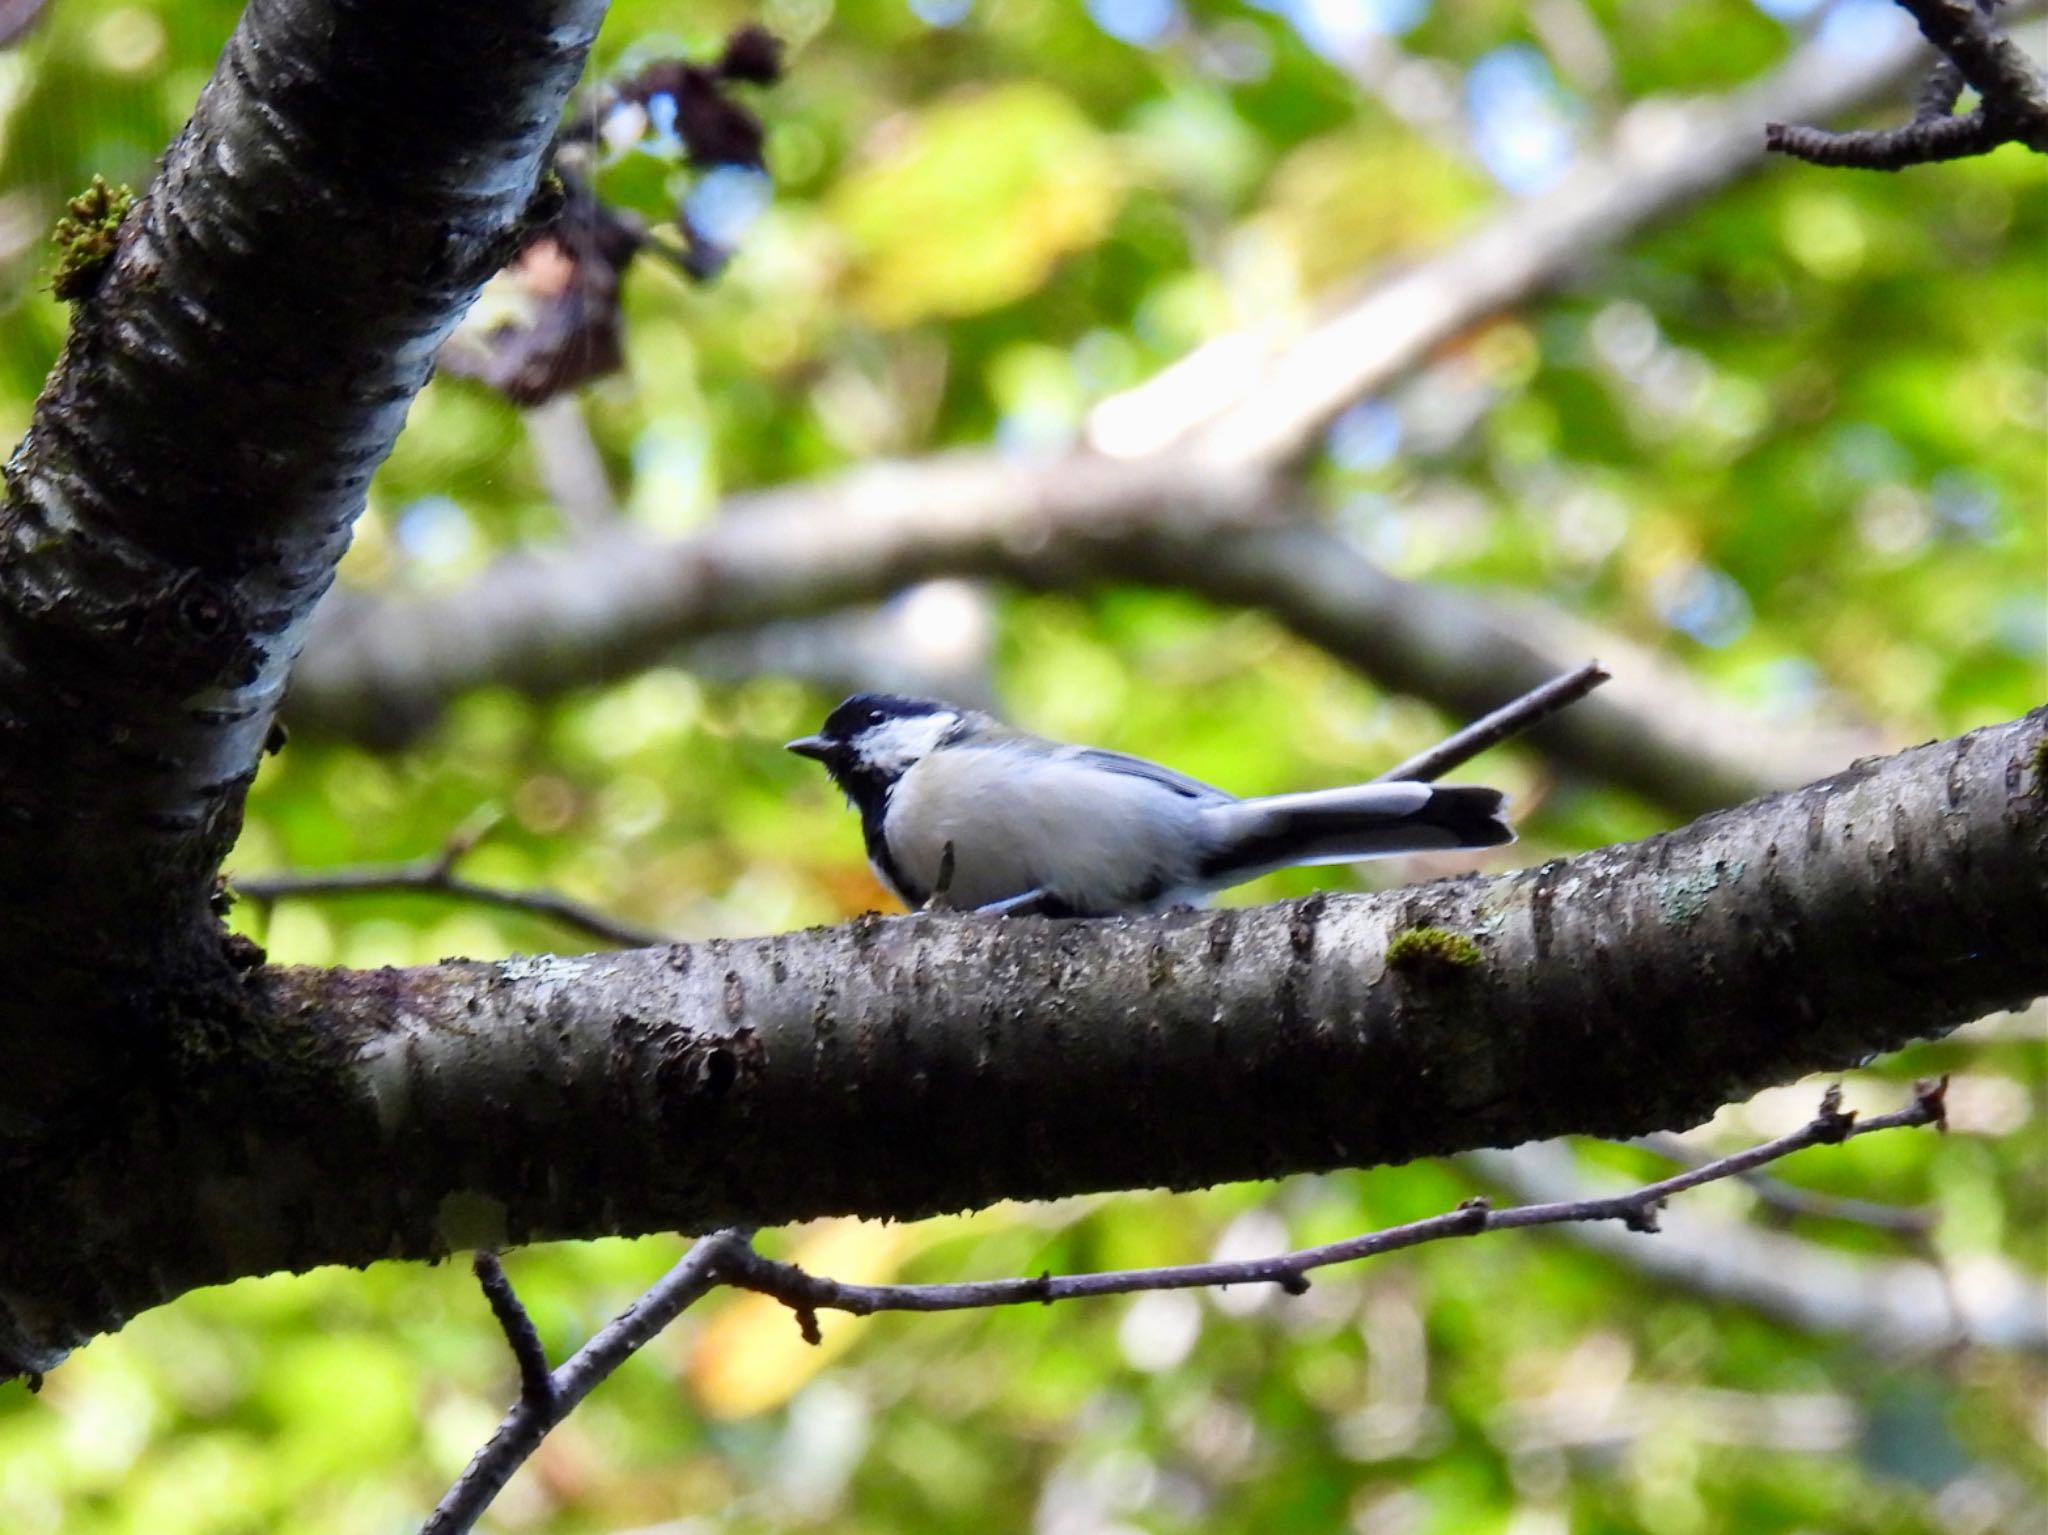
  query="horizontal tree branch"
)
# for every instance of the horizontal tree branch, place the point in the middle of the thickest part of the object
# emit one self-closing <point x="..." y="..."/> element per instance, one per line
<point x="1172" y="487"/>
<point x="383" y="667"/>
<point x="1637" y="1209"/>
<point x="436" y="875"/>
<point x="901" y="1067"/>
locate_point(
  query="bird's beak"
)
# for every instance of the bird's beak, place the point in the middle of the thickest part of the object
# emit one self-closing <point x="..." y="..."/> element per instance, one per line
<point x="817" y="748"/>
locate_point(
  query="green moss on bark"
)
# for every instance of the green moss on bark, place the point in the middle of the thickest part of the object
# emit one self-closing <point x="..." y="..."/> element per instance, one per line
<point x="86" y="237"/>
<point x="1438" y="951"/>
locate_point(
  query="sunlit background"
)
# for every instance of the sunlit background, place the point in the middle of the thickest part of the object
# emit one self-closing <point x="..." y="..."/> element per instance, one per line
<point x="1794" y="440"/>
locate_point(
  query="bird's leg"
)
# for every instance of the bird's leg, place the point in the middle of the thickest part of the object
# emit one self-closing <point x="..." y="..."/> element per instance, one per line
<point x="940" y="898"/>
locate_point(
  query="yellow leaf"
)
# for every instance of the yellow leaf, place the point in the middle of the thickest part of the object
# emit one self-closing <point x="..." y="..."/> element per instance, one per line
<point x="751" y="1357"/>
<point x="973" y="204"/>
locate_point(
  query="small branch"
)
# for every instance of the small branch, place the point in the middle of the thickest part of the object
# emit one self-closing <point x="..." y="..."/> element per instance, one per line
<point x="536" y="1385"/>
<point x="2013" y="96"/>
<point x="728" y="1257"/>
<point x="435" y="875"/>
<point x="1788" y="1199"/>
<point x="570" y="465"/>
<point x="527" y="1424"/>
<point x="1939" y="92"/>
<point x="807" y="1293"/>
<point x="1511" y="719"/>
<point x="1889" y="149"/>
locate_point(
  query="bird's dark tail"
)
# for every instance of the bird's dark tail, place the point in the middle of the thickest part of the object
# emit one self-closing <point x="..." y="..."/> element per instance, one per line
<point x="1254" y="836"/>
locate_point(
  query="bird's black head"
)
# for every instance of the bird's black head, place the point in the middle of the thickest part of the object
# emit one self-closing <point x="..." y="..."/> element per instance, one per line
<point x="873" y="739"/>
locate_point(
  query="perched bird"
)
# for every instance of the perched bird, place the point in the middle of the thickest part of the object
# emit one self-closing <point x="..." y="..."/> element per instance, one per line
<point x="1034" y="826"/>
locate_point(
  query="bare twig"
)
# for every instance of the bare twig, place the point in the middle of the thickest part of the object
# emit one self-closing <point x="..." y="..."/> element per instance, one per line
<point x="435" y="875"/>
<point x="1786" y="1199"/>
<point x="570" y="465"/>
<point x="523" y="1428"/>
<point x="729" y="1258"/>
<point x="2012" y="107"/>
<point x="1637" y="1209"/>
<point x="536" y="1385"/>
<point x="1510" y="719"/>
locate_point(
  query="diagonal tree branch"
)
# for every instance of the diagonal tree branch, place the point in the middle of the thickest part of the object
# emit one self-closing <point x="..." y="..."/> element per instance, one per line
<point x="1171" y="488"/>
<point x="243" y="348"/>
<point x="235" y="371"/>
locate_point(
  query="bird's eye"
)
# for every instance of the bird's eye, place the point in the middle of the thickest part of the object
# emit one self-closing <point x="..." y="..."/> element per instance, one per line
<point x="874" y="716"/>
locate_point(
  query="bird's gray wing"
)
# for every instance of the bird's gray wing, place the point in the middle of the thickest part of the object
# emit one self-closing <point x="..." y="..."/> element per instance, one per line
<point x="1137" y="767"/>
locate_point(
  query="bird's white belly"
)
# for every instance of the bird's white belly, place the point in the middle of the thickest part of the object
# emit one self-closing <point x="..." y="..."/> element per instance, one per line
<point x="1018" y="822"/>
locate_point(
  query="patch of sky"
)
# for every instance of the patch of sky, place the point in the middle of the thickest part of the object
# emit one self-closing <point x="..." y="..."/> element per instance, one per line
<point x="941" y="13"/>
<point x="1964" y="504"/>
<point x="1335" y="28"/>
<point x="1365" y="437"/>
<point x="1869" y="454"/>
<point x="1141" y="23"/>
<point x="1705" y="603"/>
<point x="1788" y="10"/>
<point x="1524" y="123"/>
<point x="2021" y="627"/>
<point x="723" y="205"/>
<point x="1861" y="29"/>
<point x="661" y="118"/>
<point x="436" y="531"/>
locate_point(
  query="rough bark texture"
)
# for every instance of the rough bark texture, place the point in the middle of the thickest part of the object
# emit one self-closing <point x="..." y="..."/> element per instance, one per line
<point x="232" y="377"/>
<point x="898" y="1067"/>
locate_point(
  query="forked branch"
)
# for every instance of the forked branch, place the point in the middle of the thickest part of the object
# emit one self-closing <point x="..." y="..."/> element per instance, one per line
<point x="729" y="1258"/>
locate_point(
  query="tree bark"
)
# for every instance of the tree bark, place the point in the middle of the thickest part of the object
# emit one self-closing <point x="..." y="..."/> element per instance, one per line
<point x="352" y="174"/>
<point x="901" y="1067"/>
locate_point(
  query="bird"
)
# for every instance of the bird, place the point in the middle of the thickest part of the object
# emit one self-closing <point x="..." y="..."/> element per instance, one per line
<point x="960" y="810"/>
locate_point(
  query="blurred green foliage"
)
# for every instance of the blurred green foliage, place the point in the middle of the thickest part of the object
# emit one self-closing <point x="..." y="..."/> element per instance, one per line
<point x="1795" y="438"/>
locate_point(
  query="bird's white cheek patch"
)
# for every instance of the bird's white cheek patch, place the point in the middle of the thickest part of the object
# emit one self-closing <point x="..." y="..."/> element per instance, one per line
<point x="895" y="745"/>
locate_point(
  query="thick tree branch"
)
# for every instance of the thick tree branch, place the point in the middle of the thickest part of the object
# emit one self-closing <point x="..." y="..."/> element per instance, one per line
<point x="1631" y="989"/>
<point x="240" y="360"/>
<point x="234" y="373"/>
<point x="1173" y="473"/>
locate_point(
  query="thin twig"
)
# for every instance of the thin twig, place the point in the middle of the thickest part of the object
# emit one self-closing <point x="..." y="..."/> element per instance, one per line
<point x="536" y="1384"/>
<point x="1788" y="1199"/>
<point x="808" y="1293"/>
<point x="527" y="1424"/>
<point x="2012" y="106"/>
<point x="1511" y="719"/>
<point x="435" y="875"/>
<point x="728" y="1257"/>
